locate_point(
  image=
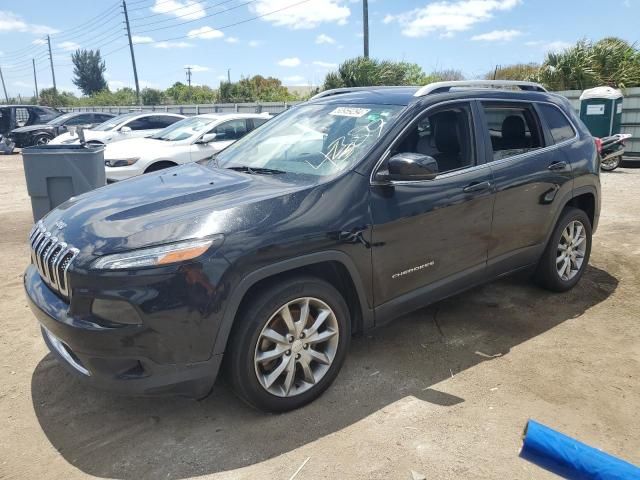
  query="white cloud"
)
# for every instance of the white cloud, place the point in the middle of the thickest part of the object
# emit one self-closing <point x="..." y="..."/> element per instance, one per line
<point x="302" y="16"/>
<point x="116" y="84"/>
<point x="231" y="40"/>
<point x="69" y="46"/>
<point x="318" y="63"/>
<point x="555" y="46"/>
<point x="322" y="38"/>
<point x="497" y="36"/>
<point x="294" y="79"/>
<point x="39" y="41"/>
<point x="289" y="62"/>
<point x="255" y="43"/>
<point x="10" y="22"/>
<point x="146" y="84"/>
<point x="173" y="45"/>
<point x="20" y="83"/>
<point x="198" y="68"/>
<point x="448" y="17"/>
<point x="188" y="9"/>
<point x="206" y="33"/>
<point x="139" y="39"/>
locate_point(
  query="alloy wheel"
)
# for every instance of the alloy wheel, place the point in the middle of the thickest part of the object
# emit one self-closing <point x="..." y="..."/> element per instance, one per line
<point x="296" y="347"/>
<point x="571" y="250"/>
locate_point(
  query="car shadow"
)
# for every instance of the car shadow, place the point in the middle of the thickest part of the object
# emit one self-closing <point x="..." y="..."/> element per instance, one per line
<point x="129" y="438"/>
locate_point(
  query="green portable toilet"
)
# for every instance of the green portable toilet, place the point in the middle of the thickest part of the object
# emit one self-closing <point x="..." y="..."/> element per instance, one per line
<point x="601" y="110"/>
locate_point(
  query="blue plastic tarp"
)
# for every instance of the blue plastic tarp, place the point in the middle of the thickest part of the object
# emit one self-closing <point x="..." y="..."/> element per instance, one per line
<point x="570" y="458"/>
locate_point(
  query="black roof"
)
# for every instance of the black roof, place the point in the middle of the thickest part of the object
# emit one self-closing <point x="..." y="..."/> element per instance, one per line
<point x="405" y="95"/>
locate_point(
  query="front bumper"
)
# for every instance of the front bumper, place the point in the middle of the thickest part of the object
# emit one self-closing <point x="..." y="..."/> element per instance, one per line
<point x="115" y="174"/>
<point x="108" y="357"/>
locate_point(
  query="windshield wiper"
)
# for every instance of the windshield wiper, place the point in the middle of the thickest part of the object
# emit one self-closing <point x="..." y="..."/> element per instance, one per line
<point x="256" y="170"/>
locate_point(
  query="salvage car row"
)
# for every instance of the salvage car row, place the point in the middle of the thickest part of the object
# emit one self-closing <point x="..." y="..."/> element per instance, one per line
<point x="144" y="142"/>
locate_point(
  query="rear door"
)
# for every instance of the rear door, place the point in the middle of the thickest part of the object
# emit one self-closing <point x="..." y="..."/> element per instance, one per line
<point x="530" y="173"/>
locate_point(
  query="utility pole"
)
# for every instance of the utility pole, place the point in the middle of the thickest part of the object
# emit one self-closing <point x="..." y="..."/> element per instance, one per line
<point x="53" y="73"/>
<point x="35" y="78"/>
<point x="188" y="69"/>
<point x="365" y="27"/>
<point x="133" y="57"/>
<point x="228" y="75"/>
<point x="3" y="87"/>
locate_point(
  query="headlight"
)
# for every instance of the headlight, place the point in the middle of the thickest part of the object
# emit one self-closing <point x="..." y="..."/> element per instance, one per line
<point x="156" y="256"/>
<point x="121" y="162"/>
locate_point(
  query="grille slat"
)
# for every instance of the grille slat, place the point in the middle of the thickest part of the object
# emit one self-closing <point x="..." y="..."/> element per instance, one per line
<point x="52" y="258"/>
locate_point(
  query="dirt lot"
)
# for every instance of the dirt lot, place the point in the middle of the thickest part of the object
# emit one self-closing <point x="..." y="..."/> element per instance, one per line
<point x="444" y="391"/>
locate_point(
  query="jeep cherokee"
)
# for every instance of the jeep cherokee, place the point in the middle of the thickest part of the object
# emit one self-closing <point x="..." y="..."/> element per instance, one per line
<point x="345" y="212"/>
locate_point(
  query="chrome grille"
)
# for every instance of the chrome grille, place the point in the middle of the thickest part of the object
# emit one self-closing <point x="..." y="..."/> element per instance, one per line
<point x="52" y="258"/>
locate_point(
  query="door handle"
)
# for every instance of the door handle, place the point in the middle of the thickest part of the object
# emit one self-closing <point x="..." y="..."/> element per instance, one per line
<point x="558" y="166"/>
<point x="477" y="187"/>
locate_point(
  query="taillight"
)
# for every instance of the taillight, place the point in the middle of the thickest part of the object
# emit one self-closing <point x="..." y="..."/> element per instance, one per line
<point x="598" y="143"/>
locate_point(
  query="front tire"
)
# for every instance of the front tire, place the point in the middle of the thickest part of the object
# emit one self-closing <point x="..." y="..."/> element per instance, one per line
<point x="567" y="254"/>
<point x="288" y="344"/>
<point x="41" y="140"/>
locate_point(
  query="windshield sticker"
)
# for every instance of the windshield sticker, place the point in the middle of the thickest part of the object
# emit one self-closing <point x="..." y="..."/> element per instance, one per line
<point x="350" y="112"/>
<point x="343" y="147"/>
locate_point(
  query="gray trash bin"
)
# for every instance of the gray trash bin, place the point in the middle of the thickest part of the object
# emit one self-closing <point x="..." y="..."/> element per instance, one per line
<point x="55" y="173"/>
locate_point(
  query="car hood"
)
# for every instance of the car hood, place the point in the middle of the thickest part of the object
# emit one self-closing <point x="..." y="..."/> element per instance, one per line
<point x="138" y="147"/>
<point x="180" y="203"/>
<point x="32" y="128"/>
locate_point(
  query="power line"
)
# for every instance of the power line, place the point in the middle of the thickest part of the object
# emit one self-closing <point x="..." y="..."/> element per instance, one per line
<point x="181" y="37"/>
<point x="155" y="4"/>
<point x="212" y="15"/>
<point x="181" y="16"/>
<point x="105" y="25"/>
<point x="87" y="23"/>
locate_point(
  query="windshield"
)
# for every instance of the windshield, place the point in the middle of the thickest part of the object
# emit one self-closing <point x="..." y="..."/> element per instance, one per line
<point x="185" y="129"/>
<point x="61" y="119"/>
<point x="114" y="122"/>
<point x="311" y="139"/>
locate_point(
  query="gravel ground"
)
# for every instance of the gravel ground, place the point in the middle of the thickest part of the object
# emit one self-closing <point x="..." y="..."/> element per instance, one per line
<point x="444" y="391"/>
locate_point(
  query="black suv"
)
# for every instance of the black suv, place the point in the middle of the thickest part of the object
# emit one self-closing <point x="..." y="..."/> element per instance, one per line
<point x="15" y="116"/>
<point x="342" y="213"/>
<point x="43" y="134"/>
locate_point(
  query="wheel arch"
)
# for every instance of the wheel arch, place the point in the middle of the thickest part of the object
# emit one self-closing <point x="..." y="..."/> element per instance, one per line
<point x="168" y="163"/>
<point x="333" y="266"/>
<point x="584" y="198"/>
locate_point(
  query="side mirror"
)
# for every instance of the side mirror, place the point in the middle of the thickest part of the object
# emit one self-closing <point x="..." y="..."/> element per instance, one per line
<point x="207" y="138"/>
<point x="411" y="166"/>
<point x="125" y="130"/>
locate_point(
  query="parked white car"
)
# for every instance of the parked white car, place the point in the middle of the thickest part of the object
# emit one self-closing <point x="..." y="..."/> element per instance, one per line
<point x="122" y="127"/>
<point x="189" y="140"/>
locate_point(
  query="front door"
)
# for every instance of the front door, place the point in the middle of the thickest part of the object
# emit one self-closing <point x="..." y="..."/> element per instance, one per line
<point x="432" y="236"/>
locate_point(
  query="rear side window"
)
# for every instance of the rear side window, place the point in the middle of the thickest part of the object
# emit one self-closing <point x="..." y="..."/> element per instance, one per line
<point x="514" y="130"/>
<point x="557" y="123"/>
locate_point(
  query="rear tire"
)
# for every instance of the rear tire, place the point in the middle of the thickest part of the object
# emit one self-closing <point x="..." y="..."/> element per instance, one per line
<point x="610" y="165"/>
<point x="567" y="254"/>
<point x="278" y="364"/>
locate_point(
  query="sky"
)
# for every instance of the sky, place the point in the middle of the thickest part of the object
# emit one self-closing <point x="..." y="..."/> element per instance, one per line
<point x="298" y="41"/>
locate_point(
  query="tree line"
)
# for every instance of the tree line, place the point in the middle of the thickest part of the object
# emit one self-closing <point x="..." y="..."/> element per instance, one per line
<point x="610" y="61"/>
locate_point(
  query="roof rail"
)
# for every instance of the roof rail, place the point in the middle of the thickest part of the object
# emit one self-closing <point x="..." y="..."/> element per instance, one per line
<point x="441" y="87"/>
<point x="338" y="91"/>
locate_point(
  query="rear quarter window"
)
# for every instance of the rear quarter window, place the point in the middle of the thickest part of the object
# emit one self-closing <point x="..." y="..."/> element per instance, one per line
<point x="557" y="123"/>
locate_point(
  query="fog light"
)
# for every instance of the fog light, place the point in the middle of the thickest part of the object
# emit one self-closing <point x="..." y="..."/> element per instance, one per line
<point x="116" y="311"/>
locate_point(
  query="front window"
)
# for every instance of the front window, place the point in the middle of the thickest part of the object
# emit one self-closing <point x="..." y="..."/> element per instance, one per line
<point x="317" y="140"/>
<point x="184" y="129"/>
<point x="61" y="119"/>
<point x="115" y="121"/>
